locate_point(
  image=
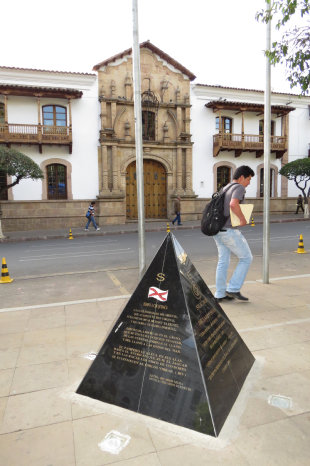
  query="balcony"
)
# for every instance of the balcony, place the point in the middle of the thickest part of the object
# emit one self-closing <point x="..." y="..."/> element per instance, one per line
<point x="248" y="143"/>
<point x="36" y="134"/>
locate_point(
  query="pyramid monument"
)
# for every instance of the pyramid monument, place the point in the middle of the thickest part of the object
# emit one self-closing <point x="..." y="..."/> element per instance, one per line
<point x="173" y="354"/>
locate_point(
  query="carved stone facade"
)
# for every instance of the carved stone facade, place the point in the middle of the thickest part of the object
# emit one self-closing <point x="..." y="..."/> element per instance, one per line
<point x="167" y="146"/>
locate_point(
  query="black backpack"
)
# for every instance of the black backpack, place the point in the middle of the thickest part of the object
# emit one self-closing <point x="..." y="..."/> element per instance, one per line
<point x="213" y="218"/>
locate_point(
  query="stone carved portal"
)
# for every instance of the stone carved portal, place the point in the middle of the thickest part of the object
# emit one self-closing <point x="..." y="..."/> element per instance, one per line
<point x="155" y="190"/>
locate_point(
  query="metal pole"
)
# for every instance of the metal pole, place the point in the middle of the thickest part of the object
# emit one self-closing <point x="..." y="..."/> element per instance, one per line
<point x="267" y="137"/>
<point x="138" y="135"/>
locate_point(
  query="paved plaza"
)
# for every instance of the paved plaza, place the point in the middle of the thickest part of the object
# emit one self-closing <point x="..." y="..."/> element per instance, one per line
<point x="45" y="352"/>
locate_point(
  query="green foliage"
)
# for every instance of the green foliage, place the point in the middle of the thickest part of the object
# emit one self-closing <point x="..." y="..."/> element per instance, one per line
<point x="293" y="49"/>
<point x="18" y="165"/>
<point x="299" y="171"/>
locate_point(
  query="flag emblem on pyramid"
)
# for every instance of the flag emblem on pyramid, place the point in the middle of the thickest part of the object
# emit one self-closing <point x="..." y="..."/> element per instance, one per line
<point x="158" y="294"/>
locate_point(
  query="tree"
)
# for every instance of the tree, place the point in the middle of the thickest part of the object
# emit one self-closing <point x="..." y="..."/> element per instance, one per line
<point x="19" y="166"/>
<point x="293" y="49"/>
<point x="299" y="171"/>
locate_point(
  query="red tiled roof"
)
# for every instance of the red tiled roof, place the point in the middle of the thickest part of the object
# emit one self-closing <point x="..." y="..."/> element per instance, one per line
<point x="153" y="49"/>
<point x="23" y="90"/>
<point x="243" y="89"/>
<point x="249" y="106"/>
<point x="44" y="71"/>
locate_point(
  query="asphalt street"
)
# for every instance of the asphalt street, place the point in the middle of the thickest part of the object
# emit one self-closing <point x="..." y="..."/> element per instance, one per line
<point x="94" y="267"/>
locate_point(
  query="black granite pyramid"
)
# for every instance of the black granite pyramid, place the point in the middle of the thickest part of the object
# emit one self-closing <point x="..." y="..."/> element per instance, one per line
<point x="173" y="354"/>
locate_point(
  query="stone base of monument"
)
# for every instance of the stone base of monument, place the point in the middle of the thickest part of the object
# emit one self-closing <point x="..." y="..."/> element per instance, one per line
<point x="173" y="353"/>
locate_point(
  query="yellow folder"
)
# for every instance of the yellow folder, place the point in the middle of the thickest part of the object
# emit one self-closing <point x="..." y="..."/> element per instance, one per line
<point x="247" y="210"/>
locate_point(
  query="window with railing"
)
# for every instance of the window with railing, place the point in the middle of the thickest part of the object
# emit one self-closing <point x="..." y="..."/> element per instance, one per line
<point x="54" y="119"/>
<point x="261" y="127"/>
<point x="226" y="124"/>
<point x="56" y="181"/>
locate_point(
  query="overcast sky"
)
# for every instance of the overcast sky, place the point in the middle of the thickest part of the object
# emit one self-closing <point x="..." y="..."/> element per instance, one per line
<point x="219" y="41"/>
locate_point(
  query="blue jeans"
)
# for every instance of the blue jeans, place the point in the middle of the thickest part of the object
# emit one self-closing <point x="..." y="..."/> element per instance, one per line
<point x="91" y="219"/>
<point x="231" y="241"/>
<point x="177" y="218"/>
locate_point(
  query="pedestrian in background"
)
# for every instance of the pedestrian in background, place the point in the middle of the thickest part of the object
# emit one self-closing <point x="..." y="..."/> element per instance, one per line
<point x="299" y="204"/>
<point x="177" y="211"/>
<point x="91" y="217"/>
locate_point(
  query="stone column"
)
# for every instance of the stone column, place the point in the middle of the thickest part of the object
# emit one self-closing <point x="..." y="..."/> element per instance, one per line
<point x="103" y="115"/>
<point x="128" y="87"/>
<point x="114" y="170"/>
<point x="188" y="174"/>
<point x="179" y="120"/>
<point x="187" y="120"/>
<point x="104" y="168"/>
<point x="178" y="189"/>
<point x="113" y="113"/>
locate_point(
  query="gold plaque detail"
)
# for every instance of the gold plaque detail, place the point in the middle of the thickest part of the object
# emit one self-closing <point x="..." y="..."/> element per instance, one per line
<point x="160" y="277"/>
<point x="196" y="291"/>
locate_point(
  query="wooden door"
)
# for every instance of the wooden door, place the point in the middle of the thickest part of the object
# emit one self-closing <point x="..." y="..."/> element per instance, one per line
<point x="155" y="191"/>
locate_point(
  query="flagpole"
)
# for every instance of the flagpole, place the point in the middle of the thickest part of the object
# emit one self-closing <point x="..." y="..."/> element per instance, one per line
<point x="138" y="135"/>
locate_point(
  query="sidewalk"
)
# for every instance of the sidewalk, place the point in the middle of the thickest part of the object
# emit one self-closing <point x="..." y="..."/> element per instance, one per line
<point x="131" y="227"/>
<point x="45" y="352"/>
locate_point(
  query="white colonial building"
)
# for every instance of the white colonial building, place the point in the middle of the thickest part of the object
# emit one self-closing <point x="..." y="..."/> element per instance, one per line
<point x="53" y="117"/>
<point x="227" y="129"/>
<point x="79" y="128"/>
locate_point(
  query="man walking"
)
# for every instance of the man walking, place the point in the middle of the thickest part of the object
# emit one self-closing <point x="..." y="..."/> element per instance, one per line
<point x="177" y="211"/>
<point x="91" y="216"/>
<point x="231" y="240"/>
<point x="299" y="204"/>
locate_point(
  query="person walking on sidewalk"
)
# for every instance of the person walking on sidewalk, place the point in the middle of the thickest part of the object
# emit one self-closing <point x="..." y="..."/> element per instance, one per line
<point x="230" y="240"/>
<point x="299" y="204"/>
<point x="177" y="210"/>
<point x="91" y="217"/>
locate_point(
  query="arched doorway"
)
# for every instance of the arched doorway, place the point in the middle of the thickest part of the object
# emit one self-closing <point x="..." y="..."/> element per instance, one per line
<point x="155" y="190"/>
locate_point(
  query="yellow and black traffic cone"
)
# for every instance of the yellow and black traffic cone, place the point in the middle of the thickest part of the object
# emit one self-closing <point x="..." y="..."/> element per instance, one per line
<point x="301" y="249"/>
<point x="168" y="228"/>
<point x="5" y="277"/>
<point x="70" y="234"/>
<point x="252" y="222"/>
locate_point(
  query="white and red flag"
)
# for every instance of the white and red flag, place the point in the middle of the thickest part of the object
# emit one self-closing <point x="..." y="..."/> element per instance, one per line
<point x="160" y="295"/>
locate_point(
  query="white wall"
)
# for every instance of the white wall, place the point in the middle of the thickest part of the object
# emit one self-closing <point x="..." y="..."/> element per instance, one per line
<point x="203" y="129"/>
<point x="85" y="129"/>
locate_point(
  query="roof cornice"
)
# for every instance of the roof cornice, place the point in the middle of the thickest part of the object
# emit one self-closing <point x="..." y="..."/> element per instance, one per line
<point x="154" y="49"/>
